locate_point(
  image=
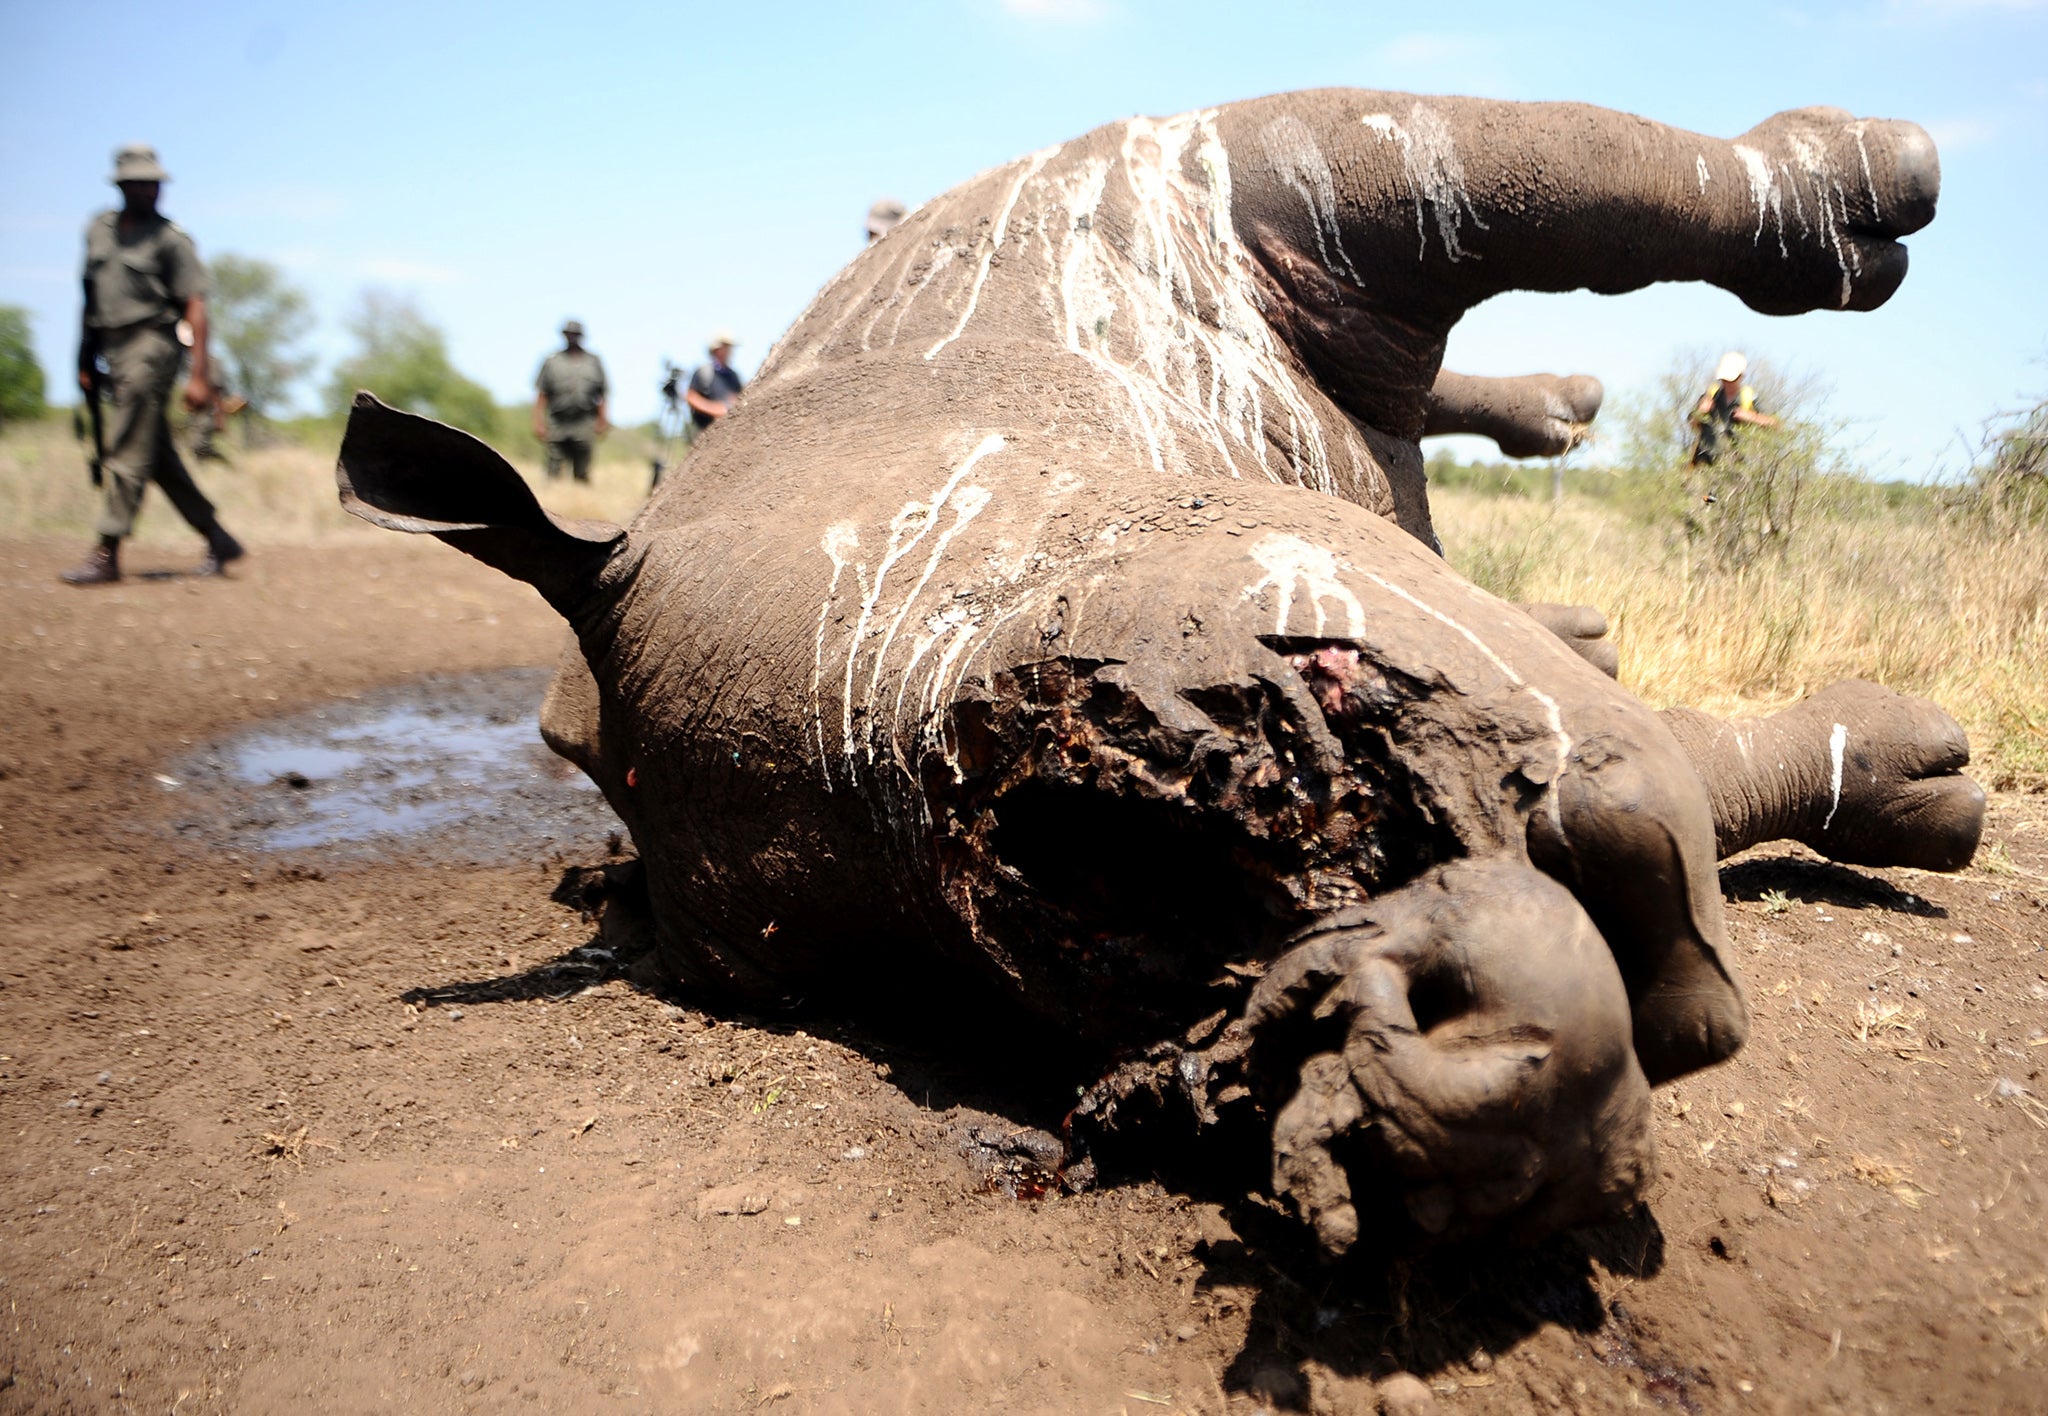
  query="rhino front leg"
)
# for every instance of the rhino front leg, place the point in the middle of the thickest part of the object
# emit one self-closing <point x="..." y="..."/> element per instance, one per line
<point x="1535" y="415"/>
<point x="1449" y="1056"/>
<point x="1861" y="774"/>
<point x="1379" y="219"/>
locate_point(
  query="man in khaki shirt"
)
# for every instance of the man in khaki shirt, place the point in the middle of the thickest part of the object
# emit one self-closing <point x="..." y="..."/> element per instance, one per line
<point x="142" y="276"/>
<point x="569" y="405"/>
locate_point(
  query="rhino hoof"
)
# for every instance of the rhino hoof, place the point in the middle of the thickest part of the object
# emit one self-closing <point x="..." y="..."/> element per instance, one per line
<point x="1468" y="1065"/>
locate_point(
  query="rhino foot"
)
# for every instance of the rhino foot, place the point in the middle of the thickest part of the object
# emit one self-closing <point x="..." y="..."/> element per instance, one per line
<point x="1837" y="191"/>
<point x="1894" y="789"/>
<point x="1584" y="631"/>
<point x="1452" y="1058"/>
<point x="1861" y="774"/>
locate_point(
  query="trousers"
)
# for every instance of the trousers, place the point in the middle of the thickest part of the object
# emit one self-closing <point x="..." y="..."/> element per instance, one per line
<point x="142" y="368"/>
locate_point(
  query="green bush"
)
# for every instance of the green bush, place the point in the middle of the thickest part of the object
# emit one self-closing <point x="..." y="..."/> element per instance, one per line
<point x="403" y="359"/>
<point x="257" y="318"/>
<point x="21" y="377"/>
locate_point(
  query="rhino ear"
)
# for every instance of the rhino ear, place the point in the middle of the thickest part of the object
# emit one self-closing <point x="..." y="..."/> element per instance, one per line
<point x="408" y="473"/>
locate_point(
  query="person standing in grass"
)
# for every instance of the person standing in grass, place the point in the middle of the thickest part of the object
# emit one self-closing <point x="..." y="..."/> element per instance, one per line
<point x="1729" y="402"/>
<point x="144" y="289"/>
<point x="569" y="405"/>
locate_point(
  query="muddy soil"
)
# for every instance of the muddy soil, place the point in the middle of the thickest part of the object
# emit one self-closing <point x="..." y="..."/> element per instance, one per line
<point x="358" y="1126"/>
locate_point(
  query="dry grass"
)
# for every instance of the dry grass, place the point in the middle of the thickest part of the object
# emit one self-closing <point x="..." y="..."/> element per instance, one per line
<point x="278" y="495"/>
<point x="1917" y="600"/>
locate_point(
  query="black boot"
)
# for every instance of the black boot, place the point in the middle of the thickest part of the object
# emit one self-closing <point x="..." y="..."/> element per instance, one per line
<point x="101" y="566"/>
<point x="221" y="548"/>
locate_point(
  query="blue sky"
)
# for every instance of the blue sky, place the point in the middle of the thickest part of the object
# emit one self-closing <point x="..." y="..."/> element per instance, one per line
<point x="661" y="170"/>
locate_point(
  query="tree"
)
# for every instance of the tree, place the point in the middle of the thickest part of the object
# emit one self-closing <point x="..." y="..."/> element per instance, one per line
<point x="257" y="317"/>
<point x="21" y="377"/>
<point x="403" y="359"/>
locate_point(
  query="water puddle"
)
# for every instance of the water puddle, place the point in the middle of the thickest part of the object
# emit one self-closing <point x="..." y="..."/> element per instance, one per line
<point x="442" y="768"/>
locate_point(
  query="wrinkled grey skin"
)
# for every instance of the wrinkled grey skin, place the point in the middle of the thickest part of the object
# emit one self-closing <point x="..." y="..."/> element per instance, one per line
<point x="1536" y="415"/>
<point x="1058" y="618"/>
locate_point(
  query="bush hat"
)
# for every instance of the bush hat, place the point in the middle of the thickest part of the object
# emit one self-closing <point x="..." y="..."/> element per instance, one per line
<point x="1732" y="366"/>
<point x="883" y="216"/>
<point x="137" y="163"/>
<point x="574" y="327"/>
<point x="720" y="339"/>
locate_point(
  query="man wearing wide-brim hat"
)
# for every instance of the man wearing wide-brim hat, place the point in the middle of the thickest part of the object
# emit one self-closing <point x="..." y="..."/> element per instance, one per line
<point x="715" y="386"/>
<point x="142" y="277"/>
<point x="569" y="404"/>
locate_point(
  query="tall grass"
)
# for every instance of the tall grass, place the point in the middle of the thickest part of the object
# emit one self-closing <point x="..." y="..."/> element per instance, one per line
<point x="1920" y="598"/>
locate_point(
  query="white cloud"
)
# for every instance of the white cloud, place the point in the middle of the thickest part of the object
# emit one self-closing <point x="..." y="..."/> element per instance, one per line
<point x="1958" y="134"/>
<point x="1061" y="12"/>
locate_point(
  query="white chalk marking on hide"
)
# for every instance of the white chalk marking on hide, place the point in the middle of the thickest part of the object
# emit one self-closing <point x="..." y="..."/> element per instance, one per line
<point x="1857" y="130"/>
<point x="1177" y="321"/>
<point x="838" y="544"/>
<point x="1302" y="166"/>
<point x="1765" y="192"/>
<point x="1287" y="560"/>
<point x="1436" y="177"/>
<point x="1699" y="167"/>
<point x="966" y="506"/>
<point x="913" y="522"/>
<point x="1834" y="205"/>
<point x="1550" y="709"/>
<point x="1838" y="739"/>
<point x="1032" y="165"/>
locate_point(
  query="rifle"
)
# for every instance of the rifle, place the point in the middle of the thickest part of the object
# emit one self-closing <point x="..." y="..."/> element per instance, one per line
<point x="96" y="454"/>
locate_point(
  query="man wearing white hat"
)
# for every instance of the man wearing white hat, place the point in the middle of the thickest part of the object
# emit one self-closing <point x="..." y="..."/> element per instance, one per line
<point x="715" y="386"/>
<point x="1728" y="402"/>
<point x="142" y="278"/>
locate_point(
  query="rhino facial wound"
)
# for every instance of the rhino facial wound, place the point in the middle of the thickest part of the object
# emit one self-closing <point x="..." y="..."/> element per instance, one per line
<point x="1148" y="845"/>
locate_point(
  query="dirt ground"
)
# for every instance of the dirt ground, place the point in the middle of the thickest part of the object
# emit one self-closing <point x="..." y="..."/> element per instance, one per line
<point x="357" y="1134"/>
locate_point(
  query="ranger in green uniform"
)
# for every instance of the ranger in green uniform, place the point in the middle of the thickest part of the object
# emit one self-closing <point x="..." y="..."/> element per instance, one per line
<point x="569" y="405"/>
<point x="142" y="276"/>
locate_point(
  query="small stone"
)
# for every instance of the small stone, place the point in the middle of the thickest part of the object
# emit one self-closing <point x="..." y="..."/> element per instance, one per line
<point x="1185" y="1332"/>
<point x="454" y="1015"/>
<point x="1404" y="1394"/>
<point x="104" y="1078"/>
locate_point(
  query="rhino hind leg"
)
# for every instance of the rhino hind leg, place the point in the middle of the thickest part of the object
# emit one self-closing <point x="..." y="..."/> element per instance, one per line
<point x="1535" y="415"/>
<point x="1859" y="773"/>
<point x="1451" y="1058"/>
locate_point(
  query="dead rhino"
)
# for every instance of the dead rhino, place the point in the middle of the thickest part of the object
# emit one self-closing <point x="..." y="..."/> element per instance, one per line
<point x="1059" y="618"/>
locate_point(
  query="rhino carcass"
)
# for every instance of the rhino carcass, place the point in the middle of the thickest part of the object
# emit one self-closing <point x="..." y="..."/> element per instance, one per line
<point x="1059" y="617"/>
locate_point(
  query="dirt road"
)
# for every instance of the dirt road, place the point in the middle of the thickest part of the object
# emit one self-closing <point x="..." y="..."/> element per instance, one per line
<point x="351" y="1134"/>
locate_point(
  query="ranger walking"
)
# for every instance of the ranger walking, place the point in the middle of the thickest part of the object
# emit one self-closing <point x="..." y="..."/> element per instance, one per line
<point x="142" y="277"/>
<point x="569" y="404"/>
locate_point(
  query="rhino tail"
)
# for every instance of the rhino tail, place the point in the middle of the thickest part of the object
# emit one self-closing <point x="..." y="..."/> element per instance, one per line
<point x="407" y="473"/>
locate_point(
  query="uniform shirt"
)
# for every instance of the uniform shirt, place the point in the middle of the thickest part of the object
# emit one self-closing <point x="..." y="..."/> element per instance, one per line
<point x="573" y="385"/>
<point x="141" y="277"/>
<point x="718" y="382"/>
